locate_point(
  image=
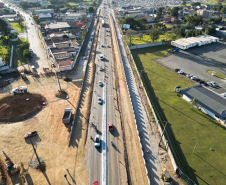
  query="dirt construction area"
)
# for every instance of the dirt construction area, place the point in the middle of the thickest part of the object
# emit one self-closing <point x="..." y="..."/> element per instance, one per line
<point x="18" y="106"/>
<point x="52" y="146"/>
<point x="135" y="165"/>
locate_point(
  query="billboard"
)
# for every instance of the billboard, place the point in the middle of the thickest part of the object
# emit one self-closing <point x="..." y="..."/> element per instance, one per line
<point x="79" y="23"/>
<point x="126" y="26"/>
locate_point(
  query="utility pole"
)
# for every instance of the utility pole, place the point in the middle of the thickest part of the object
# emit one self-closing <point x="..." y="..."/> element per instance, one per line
<point x="163" y="132"/>
<point x="140" y="77"/>
<point x="36" y="153"/>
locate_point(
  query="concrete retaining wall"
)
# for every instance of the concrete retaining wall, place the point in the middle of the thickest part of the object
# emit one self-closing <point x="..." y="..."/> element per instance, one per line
<point x="149" y="45"/>
<point x="85" y="57"/>
<point x="131" y="105"/>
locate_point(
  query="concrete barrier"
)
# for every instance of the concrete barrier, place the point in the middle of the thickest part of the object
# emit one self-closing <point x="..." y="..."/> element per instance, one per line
<point x="130" y="100"/>
<point x="88" y="55"/>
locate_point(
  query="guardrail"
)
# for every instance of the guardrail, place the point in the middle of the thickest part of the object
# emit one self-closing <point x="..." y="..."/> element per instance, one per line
<point x="131" y="104"/>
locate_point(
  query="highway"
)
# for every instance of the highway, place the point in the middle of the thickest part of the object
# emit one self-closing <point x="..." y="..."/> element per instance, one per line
<point x="98" y="111"/>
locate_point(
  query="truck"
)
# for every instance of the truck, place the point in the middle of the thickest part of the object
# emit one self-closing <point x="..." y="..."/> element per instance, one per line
<point x="102" y="22"/>
<point x="67" y="115"/>
<point x="19" y="89"/>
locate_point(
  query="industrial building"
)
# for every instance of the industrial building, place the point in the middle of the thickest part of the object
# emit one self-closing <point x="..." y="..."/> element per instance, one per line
<point x="209" y="101"/>
<point x="186" y="43"/>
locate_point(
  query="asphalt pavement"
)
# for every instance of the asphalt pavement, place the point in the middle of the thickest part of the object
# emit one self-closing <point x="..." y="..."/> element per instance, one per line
<point x="98" y="112"/>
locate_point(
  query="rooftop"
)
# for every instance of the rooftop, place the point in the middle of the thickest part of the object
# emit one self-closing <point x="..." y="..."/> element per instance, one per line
<point x="208" y="99"/>
<point x="57" y="25"/>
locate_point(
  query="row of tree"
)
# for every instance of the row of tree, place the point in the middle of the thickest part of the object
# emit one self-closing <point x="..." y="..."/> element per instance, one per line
<point x="26" y="5"/>
<point x="135" y="23"/>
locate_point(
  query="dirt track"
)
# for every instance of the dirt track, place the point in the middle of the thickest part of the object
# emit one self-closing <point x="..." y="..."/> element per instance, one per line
<point x="137" y="174"/>
<point x="54" y="135"/>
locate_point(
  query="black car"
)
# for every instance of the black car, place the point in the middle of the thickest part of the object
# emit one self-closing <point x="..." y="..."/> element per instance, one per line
<point x="197" y="79"/>
<point x="177" y="69"/>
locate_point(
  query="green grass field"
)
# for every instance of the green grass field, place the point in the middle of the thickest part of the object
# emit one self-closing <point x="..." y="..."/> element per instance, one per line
<point x="189" y="126"/>
<point x="146" y="38"/>
<point x="19" y="28"/>
<point x="18" y="58"/>
<point x="218" y="75"/>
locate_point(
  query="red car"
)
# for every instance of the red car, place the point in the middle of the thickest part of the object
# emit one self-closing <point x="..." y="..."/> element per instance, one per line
<point x="110" y="126"/>
<point x="30" y="134"/>
<point x="95" y="182"/>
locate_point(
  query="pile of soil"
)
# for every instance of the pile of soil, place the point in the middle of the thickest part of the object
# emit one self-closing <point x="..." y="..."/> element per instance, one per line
<point x="20" y="106"/>
<point x="4" y="83"/>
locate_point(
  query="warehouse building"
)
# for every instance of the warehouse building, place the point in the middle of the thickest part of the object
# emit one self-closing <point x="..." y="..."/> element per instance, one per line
<point x="209" y="101"/>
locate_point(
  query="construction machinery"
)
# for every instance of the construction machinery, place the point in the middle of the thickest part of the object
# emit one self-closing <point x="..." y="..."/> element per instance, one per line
<point x="24" y="77"/>
<point x="165" y="176"/>
<point x="23" y="171"/>
<point x="11" y="167"/>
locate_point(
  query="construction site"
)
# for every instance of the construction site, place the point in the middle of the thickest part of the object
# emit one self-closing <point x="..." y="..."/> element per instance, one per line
<point x="33" y="135"/>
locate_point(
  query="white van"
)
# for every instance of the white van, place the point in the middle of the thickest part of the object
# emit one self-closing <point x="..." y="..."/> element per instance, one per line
<point x="101" y="57"/>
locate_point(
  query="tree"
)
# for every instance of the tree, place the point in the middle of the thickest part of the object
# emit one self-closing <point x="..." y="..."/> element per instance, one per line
<point x="33" y="12"/>
<point x="20" y="20"/>
<point x="24" y="46"/>
<point x="159" y="13"/>
<point x="184" y="2"/>
<point x="194" y="102"/>
<point x="140" y="36"/>
<point x="4" y="27"/>
<point x="130" y="33"/>
<point x="26" y="53"/>
<point x="84" y="33"/>
<point x="154" y="34"/>
<point x="218" y="19"/>
<point x="90" y="9"/>
<point x="126" y="13"/>
<point x="174" y="11"/>
<point x="195" y="20"/>
<point x="65" y="36"/>
<point x="210" y="30"/>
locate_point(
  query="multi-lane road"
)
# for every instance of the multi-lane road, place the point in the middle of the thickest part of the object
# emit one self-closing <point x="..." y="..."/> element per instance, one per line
<point x="104" y="165"/>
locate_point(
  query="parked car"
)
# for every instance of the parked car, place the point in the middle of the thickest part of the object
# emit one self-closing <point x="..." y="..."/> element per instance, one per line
<point x="193" y="77"/>
<point x="110" y="126"/>
<point x="177" y="69"/>
<point x="95" y="182"/>
<point x="181" y="72"/>
<point x="189" y="75"/>
<point x="223" y="94"/>
<point x="97" y="141"/>
<point x="99" y="100"/>
<point x="197" y="79"/>
<point x="212" y="84"/>
<point x="202" y="82"/>
<point x="30" y="134"/>
<point x="102" y="45"/>
<point x="100" y="68"/>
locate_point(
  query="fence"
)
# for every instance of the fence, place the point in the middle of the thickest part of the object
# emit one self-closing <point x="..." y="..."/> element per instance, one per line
<point x="131" y="104"/>
<point x="149" y="45"/>
<point x="169" y="146"/>
<point x="87" y="58"/>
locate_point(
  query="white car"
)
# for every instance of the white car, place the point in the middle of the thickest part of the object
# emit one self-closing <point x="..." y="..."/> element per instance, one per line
<point x="193" y="77"/>
<point x="99" y="100"/>
<point x="223" y="94"/>
<point x="100" y="83"/>
<point x="212" y="84"/>
<point x="189" y="75"/>
<point x="97" y="141"/>
<point x="100" y="68"/>
<point x="181" y="72"/>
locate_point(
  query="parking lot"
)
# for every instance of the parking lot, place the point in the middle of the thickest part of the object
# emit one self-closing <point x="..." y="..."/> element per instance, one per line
<point x="199" y="60"/>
